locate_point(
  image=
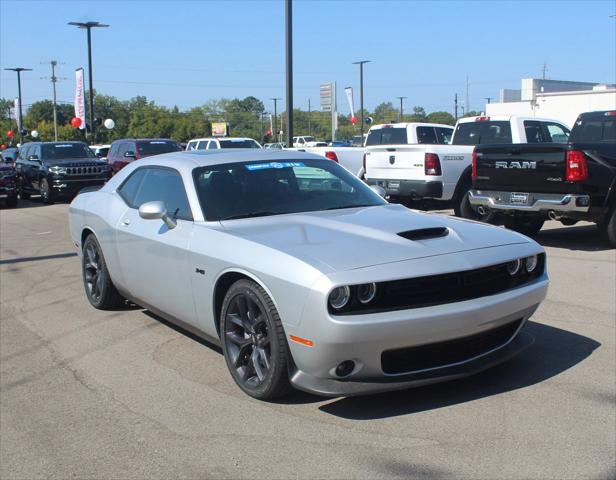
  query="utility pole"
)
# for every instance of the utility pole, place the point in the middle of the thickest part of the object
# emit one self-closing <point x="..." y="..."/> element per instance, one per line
<point x="401" y="107"/>
<point x="309" y="115"/>
<point x="544" y="69"/>
<point x="289" y="64"/>
<point x="54" y="79"/>
<point x="21" y="118"/>
<point x="467" y="96"/>
<point x="361" y="95"/>
<point x="488" y="99"/>
<point x="276" y="119"/>
<point x="455" y="106"/>
<point x="89" y="26"/>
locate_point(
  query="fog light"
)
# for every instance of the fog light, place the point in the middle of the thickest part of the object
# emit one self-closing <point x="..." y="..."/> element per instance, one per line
<point x="339" y="297"/>
<point x="366" y="292"/>
<point x="345" y="368"/>
<point x="513" y="267"/>
<point x="530" y="263"/>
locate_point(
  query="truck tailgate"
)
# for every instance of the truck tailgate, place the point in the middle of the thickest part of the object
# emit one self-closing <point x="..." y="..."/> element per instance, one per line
<point x="523" y="167"/>
<point x="395" y="162"/>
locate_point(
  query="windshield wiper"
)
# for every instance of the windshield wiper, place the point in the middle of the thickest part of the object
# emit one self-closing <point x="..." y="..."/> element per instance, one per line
<point x="350" y="206"/>
<point x="249" y="215"/>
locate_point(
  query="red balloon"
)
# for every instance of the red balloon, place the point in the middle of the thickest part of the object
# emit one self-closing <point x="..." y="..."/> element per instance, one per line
<point x="3" y="146"/>
<point x="76" y="122"/>
<point x="353" y="120"/>
<point x="10" y="134"/>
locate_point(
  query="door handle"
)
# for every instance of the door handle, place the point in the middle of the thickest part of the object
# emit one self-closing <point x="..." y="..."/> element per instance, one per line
<point x="126" y="221"/>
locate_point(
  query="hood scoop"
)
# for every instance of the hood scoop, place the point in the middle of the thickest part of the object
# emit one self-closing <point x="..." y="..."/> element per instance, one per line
<point x="425" y="233"/>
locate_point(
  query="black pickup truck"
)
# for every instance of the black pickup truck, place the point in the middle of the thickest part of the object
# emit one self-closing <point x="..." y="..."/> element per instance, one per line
<point x="526" y="184"/>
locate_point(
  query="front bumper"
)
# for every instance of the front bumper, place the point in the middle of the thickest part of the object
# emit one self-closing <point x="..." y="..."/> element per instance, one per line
<point x="409" y="188"/>
<point x="365" y="338"/>
<point x="536" y="202"/>
<point x="68" y="186"/>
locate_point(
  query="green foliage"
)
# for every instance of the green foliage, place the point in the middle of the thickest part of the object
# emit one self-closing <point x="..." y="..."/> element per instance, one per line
<point x="139" y="117"/>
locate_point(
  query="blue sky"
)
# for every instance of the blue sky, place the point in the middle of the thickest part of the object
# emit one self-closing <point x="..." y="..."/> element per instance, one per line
<point x="187" y="52"/>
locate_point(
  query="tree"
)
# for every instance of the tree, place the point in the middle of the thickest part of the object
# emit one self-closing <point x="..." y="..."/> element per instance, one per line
<point x="385" y="113"/>
<point x="445" y="118"/>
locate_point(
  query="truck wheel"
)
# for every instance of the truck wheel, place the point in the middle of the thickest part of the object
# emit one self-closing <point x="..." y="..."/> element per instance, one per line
<point x="463" y="208"/>
<point x="527" y="226"/>
<point x="21" y="192"/>
<point x="608" y="228"/>
<point x="11" y="202"/>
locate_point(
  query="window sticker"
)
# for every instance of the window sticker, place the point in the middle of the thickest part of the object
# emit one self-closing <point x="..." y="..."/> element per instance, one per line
<point x="263" y="166"/>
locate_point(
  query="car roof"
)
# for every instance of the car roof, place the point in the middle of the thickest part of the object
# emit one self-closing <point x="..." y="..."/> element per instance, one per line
<point x="219" y="138"/>
<point x="191" y="159"/>
<point x="143" y="140"/>
<point x="409" y="124"/>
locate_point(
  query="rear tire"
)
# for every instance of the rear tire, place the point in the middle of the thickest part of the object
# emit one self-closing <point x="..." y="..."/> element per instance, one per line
<point x="254" y="342"/>
<point x="463" y="208"/>
<point x="525" y="225"/>
<point x="99" y="288"/>
<point x="608" y="227"/>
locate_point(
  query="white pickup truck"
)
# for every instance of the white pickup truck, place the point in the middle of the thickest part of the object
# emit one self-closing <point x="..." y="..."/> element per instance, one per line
<point x="410" y="162"/>
<point x="350" y="158"/>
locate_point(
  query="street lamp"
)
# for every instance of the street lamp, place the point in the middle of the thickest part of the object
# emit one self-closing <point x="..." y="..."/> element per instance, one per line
<point x="89" y="26"/>
<point x="361" y="94"/>
<point x="20" y="122"/>
<point x="401" y="108"/>
<point x="276" y="118"/>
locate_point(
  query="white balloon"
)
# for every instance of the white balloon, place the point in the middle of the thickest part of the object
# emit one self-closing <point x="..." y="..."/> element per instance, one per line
<point x="109" y="124"/>
<point x="34" y="133"/>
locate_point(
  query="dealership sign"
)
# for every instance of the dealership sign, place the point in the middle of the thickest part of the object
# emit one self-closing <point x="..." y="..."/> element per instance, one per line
<point x="220" y="129"/>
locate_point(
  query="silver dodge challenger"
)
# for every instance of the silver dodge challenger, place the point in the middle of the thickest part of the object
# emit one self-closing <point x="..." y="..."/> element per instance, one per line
<point x="303" y="274"/>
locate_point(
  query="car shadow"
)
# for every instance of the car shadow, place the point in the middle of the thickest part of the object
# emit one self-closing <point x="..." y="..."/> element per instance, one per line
<point x="584" y="237"/>
<point x="553" y="352"/>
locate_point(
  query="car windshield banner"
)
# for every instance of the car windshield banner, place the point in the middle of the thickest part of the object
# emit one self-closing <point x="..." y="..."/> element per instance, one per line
<point x="80" y="104"/>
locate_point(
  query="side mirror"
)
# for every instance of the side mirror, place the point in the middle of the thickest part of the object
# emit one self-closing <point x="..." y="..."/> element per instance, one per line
<point x="156" y="210"/>
<point x="33" y="158"/>
<point x="130" y="154"/>
<point x="380" y="191"/>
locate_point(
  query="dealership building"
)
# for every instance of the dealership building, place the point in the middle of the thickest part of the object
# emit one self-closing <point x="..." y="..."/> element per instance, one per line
<point x="556" y="99"/>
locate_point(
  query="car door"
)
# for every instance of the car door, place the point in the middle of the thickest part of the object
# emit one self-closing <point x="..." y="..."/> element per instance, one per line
<point x="35" y="160"/>
<point x="155" y="260"/>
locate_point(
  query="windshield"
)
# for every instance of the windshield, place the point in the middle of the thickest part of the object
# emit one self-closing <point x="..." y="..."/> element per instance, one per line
<point x="253" y="189"/>
<point x="156" y="147"/>
<point x="60" y="151"/>
<point x="239" y="143"/>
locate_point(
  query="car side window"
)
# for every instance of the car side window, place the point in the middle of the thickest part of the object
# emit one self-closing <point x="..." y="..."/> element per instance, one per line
<point x="556" y="133"/>
<point x="191" y="146"/>
<point x="113" y="151"/>
<point x="443" y="135"/>
<point x="23" y="152"/>
<point x="122" y="150"/>
<point x="212" y="145"/>
<point x="202" y="145"/>
<point x="129" y="188"/>
<point x="426" y="135"/>
<point x="36" y="150"/>
<point x="534" y="133"/>
<point x="165" y="185"/>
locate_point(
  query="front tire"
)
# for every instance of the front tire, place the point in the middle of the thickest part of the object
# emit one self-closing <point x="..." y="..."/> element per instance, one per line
<point x="525" y="225"/>
<point x="253" y="341"/>
<point x="100" y="290"/>
<point x="47" y="194"/>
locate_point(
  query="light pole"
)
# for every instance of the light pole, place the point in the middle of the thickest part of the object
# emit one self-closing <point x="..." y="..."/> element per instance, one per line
<point x="361" y="95"/>
<point x="289" y="64"/>
<point x="276" y="118"/>
<point x="21" y="118"/>
<point x="89" y="26"/>
<point x="401" y="107"/>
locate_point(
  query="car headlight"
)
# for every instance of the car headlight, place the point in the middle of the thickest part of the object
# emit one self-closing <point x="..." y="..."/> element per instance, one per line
<point x="57" y="170"/>
<point x="513" y="267"/>
<point x="366" y="292"/>
<point x="530" y="263"/>
<point x="339" y="297"/>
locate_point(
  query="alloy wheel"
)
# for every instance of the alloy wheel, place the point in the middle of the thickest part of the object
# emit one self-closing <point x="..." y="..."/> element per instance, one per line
<point x="247" y="340"/>
<point x="93" y="273"/>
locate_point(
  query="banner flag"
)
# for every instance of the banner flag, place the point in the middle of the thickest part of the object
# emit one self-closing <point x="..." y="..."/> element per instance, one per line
<point x="349" y="93"/>
<point x="16" y="111"/>
<point x="80" y="103"/>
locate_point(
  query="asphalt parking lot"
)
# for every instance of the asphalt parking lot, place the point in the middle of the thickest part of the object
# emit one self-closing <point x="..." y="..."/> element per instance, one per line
<point x="91" y="394"/>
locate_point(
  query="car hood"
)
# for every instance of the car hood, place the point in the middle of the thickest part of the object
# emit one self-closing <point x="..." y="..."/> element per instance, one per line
<point x="74" y="162"/>
<point x="361" y="237"/>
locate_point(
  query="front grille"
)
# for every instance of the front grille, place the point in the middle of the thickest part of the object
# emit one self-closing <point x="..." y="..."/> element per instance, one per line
<point x="441" y="289"/>
<point x="91" y="170"/>
<point x="433" y="355"/>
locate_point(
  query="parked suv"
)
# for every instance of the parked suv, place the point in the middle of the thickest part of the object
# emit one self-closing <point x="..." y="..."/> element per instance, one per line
<point x="56" y="169"/>
<point x="127" y="150"/>
<point x="8" y="185"/>
<point x="222" y="142"/>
